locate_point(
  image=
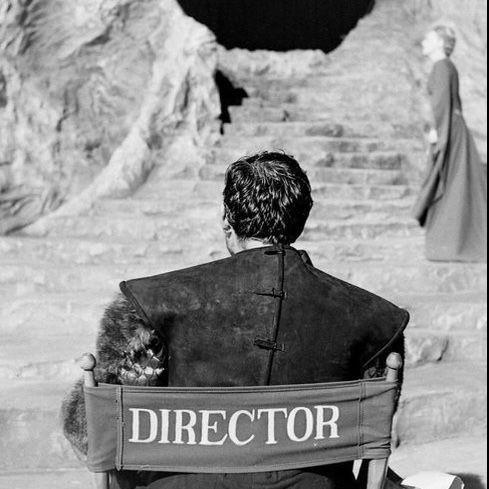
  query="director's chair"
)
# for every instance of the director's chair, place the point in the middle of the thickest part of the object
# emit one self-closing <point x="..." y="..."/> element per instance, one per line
<point x="240" y="429"/>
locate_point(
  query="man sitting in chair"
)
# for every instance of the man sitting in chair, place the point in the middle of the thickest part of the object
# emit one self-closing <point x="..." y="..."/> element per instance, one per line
<point x="263" y="316"/>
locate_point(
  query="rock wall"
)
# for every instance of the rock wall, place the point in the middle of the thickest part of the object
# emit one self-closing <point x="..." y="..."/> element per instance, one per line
<point x="92" y="93"/>
<point x="95" y="94"/>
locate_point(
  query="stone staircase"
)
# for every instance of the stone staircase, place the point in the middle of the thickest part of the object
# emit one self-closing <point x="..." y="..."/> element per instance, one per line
<point x="53" y="288"/>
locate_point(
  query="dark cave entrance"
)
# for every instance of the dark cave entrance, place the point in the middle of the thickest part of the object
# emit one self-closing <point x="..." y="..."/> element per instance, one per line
<point x="275" y="25"/>
<point x="279" y="25"/>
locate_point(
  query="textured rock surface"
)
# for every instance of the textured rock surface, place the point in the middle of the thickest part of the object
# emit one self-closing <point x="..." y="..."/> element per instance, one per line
<point x="94" y="95"/>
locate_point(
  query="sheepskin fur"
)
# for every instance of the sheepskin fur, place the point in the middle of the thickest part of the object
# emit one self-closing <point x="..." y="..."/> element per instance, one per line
<point x="125" y="344"/>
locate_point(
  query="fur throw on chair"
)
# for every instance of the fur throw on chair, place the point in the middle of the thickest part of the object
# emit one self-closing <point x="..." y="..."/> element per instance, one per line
<point x="128" y="352"/>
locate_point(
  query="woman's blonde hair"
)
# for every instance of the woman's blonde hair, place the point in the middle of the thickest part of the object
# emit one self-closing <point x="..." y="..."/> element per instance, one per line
<point x="448" y="34"/>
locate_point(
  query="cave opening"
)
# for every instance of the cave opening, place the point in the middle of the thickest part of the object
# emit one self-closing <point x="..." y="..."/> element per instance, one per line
<point x="274" y="25"/>
<point x="279" y="25"/>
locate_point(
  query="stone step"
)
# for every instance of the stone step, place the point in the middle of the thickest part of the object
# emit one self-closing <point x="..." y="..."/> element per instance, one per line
<point x="267" y="88"/>
<point x="356" y="228"/>
<point x="464" y="346"/>
<point x="176" y="190"/>
<point x="30" y="425"/>
<point x="290" y="129"/>
<point x="255" y="85"/>
<point x="246" y="121"/>
<point x="16" y="249"/>
<point x="361" y="192"/>
<point x="390" y="250"/>
<point x="253" y="112"/>
<point x="73" y="251"/>
<point x="464" y="455"/>
<point x="207" y="228"/>
<point x="378" y="160"/>
<point x="143" y="208"/>
<point x="437" y="402"/>
<point x="211" y="190"/>
<point x="48" y="332"/>
<point x="327" y="175"/>
<point x="442" y="401"/>
<point x="79" y="478"/>
<point x="52" y="315"/>
<point x="315" y="145"/>
<point x="446" y="312"/>
<point x="204" y="226"/>
<point x="316" y="96"/>
<point x="342" y="100"/>
<point x="213" y="183"/>
<point x="425" y="346"/>
<point x="326" y="128"/>
<point x="53" y="356"/>
<point x="414" y="274"/>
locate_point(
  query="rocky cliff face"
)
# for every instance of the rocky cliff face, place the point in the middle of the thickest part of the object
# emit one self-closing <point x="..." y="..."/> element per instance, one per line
<point x="92" y="93"/>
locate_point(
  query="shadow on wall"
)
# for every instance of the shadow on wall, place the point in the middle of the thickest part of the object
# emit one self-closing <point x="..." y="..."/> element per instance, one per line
<point x="279" y="25"/>
<point x="472" y="481"/>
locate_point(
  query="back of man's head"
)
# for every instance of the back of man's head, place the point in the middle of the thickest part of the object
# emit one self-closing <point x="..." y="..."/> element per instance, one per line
<point x="267" y="197"/>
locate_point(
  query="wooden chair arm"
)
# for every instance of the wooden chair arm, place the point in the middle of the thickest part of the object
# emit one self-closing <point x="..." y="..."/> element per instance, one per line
<point x="88" y="364"/>
<point x="377" y="469"/>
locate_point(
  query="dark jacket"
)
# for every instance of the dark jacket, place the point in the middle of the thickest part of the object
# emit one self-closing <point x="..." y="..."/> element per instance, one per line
<point x="265" y="316"/>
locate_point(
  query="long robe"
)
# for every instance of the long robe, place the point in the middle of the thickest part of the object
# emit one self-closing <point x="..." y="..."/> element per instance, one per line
<point x="453" y="201"/>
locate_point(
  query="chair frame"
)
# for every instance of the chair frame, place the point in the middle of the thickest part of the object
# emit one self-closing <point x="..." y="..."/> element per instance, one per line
<point x="377" y="469"/>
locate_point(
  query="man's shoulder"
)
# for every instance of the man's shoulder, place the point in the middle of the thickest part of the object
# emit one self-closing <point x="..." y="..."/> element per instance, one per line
<point x="183" y="274"/>
<point x="369" y="302"/>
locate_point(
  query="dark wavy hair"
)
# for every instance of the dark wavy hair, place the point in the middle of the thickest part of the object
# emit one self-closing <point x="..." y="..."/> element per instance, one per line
<point x="268" y="197"/>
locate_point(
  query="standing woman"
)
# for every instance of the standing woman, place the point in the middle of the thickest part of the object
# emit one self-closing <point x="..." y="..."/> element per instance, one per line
<point x="453" y="201"/>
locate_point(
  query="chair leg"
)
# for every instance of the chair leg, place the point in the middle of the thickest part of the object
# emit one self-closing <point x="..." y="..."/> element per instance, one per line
<point x="102" y="481"/>
<point x="377" y="473"/>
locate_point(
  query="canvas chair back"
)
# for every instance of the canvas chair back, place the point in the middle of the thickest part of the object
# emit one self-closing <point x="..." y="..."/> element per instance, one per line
<point x="240" y="429"/>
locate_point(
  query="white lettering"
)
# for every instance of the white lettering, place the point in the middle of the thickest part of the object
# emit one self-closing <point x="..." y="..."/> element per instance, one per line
<point x="206" y="427"/>
<point x="332" y="423"/>
<point x="165" y="426"/>
<point x="291" y="422"/>
<point x="216" y="427"/>
<point x="271" y="422"/>
<point x="153" y="426"/>
<point x="233" y="427"/>
<point x="189" y="427"/>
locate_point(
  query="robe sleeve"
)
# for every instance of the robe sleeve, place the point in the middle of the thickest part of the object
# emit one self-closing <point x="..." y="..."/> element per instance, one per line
<point x="441" y="103"/>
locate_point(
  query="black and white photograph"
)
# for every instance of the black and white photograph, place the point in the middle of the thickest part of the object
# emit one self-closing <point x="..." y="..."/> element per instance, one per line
<point x="243" y="244"/>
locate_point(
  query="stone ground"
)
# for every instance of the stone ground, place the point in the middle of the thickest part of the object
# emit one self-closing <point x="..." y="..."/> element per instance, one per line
<point x="363" y="167"/>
